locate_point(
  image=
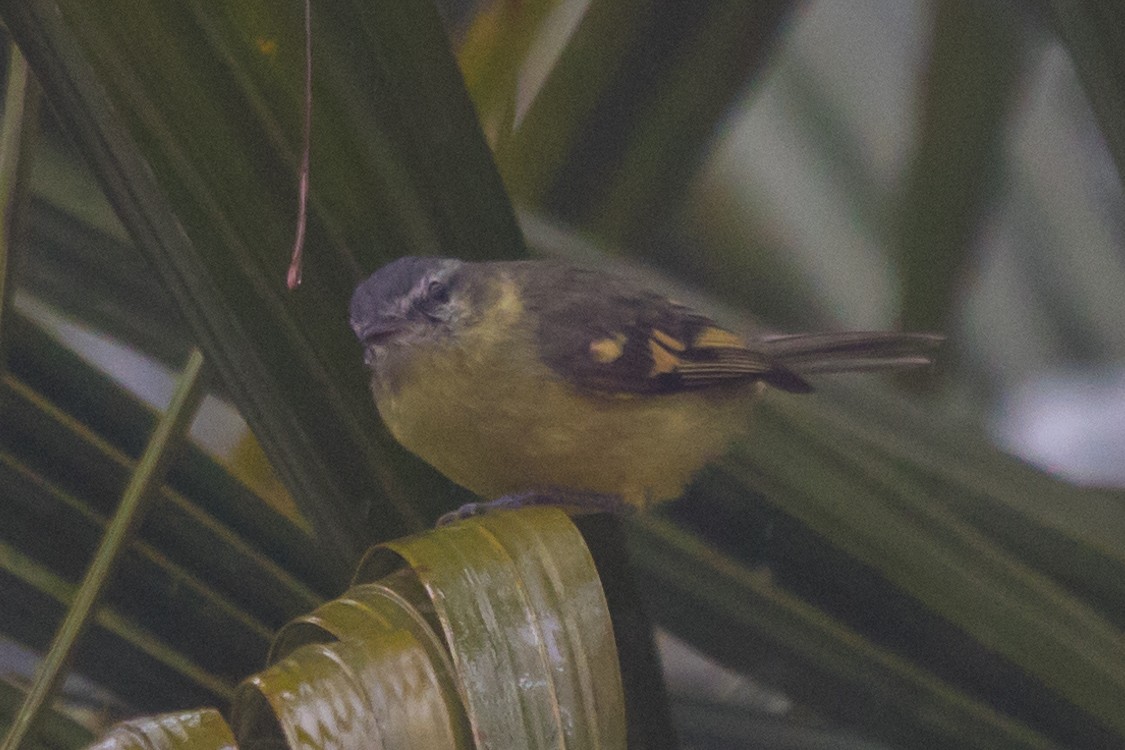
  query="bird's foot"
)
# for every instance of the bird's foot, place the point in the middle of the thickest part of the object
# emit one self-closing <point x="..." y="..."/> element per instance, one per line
<point x="575" y="503"/>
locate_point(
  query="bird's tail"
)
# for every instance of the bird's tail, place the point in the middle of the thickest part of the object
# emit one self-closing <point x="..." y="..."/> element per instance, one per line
<point x="861" y="351"/>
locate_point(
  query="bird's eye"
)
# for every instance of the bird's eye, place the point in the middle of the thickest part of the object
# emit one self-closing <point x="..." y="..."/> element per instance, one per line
<point x="437" y="292"/>
<point x="432" y="301"/>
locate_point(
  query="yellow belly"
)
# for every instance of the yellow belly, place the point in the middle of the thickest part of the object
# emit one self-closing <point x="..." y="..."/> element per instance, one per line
<point x="498" y="425"/>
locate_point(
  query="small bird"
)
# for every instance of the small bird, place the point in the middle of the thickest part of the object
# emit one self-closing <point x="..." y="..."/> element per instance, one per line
<point x="540" y="382"/>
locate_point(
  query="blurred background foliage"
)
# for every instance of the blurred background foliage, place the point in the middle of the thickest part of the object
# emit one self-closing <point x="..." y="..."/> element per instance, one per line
<point x="932" y="562"/>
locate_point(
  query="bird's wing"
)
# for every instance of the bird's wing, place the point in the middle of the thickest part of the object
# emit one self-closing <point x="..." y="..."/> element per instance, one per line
<point x="603" y="334"/>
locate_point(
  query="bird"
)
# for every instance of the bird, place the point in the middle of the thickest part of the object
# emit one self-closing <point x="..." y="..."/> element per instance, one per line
<point x="538" y="381"/>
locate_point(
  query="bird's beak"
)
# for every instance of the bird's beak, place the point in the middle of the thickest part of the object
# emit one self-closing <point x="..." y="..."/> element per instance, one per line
<point x="373" y="334"/>
<point x="377" y="332"/>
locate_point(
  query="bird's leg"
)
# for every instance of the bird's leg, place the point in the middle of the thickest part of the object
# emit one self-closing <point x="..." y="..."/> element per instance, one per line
<point x="575" y="503"/>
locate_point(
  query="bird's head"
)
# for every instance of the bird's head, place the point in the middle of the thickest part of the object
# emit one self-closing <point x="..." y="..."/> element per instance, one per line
<point x="409" y="302"/>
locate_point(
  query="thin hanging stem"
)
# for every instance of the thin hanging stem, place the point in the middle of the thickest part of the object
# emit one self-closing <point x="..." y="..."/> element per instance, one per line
<point x="294" y="278"/>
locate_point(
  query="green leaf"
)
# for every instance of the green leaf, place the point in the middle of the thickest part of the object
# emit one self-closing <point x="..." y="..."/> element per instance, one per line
<point x="522" y="610"/>
<point x="969" y="87"/>
<point x="745" y="619"/>
<point x="905" y="529"/>
<point x="185" y="113"/>
<point x="1095" y="33"/>
<point x="883" y="564"/>
<point x="626" y="112"/>
<point x="144" y="670"/>
<point x="55" y="729"/>
<point x="201" y="729"/>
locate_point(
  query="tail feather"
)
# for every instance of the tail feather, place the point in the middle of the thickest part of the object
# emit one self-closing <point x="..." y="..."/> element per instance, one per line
<point x="860" y="351"/>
